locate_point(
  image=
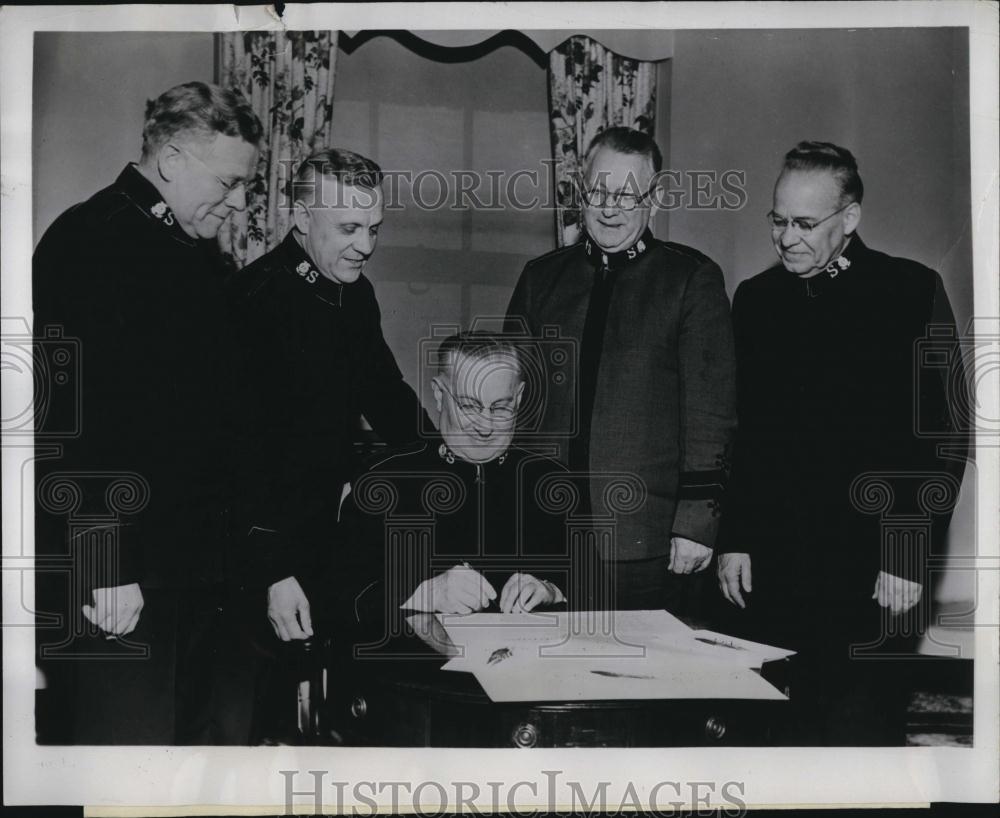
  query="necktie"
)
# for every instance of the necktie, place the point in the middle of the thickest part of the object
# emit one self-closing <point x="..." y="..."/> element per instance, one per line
<point x="591" y="345"/>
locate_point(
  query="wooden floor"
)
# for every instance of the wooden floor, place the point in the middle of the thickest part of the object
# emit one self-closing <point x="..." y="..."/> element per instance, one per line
<point x="940" y="712"/>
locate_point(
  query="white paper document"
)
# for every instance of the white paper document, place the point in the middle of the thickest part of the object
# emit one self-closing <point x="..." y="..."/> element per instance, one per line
<point x="603" y="655"/>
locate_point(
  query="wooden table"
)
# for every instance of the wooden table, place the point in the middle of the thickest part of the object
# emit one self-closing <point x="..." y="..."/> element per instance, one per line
<point x="407" y="701"/>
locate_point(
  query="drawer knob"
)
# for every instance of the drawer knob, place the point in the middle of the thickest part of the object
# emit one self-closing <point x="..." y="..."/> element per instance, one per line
<point x="525" y="735"/>
<point x="715" y="728"/>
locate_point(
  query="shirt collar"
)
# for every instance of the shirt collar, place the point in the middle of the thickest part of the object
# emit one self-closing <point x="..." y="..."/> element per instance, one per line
<point x="836" y="272"/>
<point x="143" y="195"/>
<point x="305" y="271"/>
<point x="615" y="261"/>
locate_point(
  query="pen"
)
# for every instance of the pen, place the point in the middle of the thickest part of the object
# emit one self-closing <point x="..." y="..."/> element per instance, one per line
<point x="717" y="643"/>
<point x="620" y="675"/>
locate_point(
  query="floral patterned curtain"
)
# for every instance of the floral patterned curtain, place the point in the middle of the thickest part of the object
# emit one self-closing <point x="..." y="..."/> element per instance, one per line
<point x="590" y="89"/>
<point x="288" y="78"/>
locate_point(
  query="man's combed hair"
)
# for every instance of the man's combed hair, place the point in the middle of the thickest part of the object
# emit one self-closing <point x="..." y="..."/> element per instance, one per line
<point x="347" y="167"/>
<point x="476" y="345"/>
<point x="199" y="110"/>
<point x="628" y="141"/>
<point x="829" y="157"/>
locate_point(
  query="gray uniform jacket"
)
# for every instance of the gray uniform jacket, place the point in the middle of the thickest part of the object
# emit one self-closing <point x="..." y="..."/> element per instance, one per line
<point x="664" y="392"/>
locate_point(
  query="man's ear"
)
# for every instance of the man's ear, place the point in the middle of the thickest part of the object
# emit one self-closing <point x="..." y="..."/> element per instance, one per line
<point x="656" y="192"/>
<point x="518" y="394"/>
<point x="301" y="217"/>
<point x="438" y="392"/>
<point x="168" y="161"/>
<point x="852" y="218"/>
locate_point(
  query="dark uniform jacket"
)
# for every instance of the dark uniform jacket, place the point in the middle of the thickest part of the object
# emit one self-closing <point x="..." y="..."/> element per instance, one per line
<point x="142" y="310"/>
<point x="842" y="412"/>
<point x="314" y="360"/>
<point x="664" y="389"/>
<point x="422" y="510"/>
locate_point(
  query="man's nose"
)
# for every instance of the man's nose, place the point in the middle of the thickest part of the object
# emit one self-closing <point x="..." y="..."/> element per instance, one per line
<point x="481" y="423"/>
<point x="365" y="244"/>
<point x="788" y="237"/>
<point x="237" y="198"/>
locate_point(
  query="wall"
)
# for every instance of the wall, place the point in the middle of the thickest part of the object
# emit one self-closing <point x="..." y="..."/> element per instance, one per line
<point x="417" y="115"/>
<point x="89" y="97"/>
<point x="897" y="98"/>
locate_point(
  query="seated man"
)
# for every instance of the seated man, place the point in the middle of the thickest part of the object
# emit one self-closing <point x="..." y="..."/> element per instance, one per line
<point x="462" y="522"/>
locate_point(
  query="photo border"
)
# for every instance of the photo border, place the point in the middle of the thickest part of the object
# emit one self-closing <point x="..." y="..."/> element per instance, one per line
<point x="249" y="776"/>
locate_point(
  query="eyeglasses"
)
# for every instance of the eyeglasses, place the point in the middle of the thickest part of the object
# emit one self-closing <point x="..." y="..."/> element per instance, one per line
<point x="595" y="197"/>
<point x="471" y="406"/>
<point x="801" y="226"/>
<point x="227" y="187"/>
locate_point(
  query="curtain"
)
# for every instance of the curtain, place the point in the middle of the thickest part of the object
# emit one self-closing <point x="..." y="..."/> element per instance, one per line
<point x="651" y="44"/>
<point x="288" y="78"/>
<point x="590" y="89"/>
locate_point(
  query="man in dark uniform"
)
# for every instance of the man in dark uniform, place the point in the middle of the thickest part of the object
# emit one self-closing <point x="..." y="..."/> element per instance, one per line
<point x="656" y="379"/>
<point x="830" y="441"/>
<point x="134" y="274"/>
<point x="316" y="361"/>
<point x="464" y="521"/>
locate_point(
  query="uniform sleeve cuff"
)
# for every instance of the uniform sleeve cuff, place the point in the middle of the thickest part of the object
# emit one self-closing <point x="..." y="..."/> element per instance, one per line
<point x="697" y="520"/>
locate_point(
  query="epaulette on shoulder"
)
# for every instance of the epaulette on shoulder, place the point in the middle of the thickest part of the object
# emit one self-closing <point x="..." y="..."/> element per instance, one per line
<point x="108" y="203"/>
<point x="542" y="460"/>
<point x="906" y="266"/>
<point x="684" y="250"/>
<point x="382" y="458"/>
<point x="99" y="209"/>
<point x="558" y="251"/>
<point x="775" y="272"/>
<point x="248" y="281"/>
<point x="763" y="281"/>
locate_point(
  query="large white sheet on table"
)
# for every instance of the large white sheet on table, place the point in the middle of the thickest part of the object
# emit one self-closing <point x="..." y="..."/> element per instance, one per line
<point x="587" y="655"/>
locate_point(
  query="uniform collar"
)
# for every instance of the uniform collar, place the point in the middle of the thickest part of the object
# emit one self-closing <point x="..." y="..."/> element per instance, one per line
<point x="615" y="261"/>
<point x="143" y="195"/>
<point x="305" y="271"/>
<point x="837" y="271"/>
<point x="449" y="457"/>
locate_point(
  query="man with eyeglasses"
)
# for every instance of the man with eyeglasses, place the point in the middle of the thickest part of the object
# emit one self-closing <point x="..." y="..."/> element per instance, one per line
<point x="152" y="601"/>
<point x="494" y="542"/>
<point x="316" y="361"/>
<point x="828" y="393"/>
<point x="654" y="394"/>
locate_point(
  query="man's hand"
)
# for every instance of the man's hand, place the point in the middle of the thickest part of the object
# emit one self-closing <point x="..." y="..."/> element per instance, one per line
<point x="288" y="610"/>
<point x="523" y="592"/>
<point x="116" y="610"/>
<point x="687" y="556"/>
<point x="734" y="574"/>
<point x="458" y="590"/>
<point x="895" y="593"/>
